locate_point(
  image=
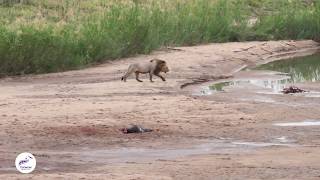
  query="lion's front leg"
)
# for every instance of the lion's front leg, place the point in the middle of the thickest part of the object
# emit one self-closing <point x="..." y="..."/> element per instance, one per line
<point x="163" y="79"/>
<point x="150" y="76"/>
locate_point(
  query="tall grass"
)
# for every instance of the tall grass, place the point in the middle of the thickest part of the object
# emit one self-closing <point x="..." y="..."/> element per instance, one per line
<point x="291" y="20"/>
<point x="46" y="36"/>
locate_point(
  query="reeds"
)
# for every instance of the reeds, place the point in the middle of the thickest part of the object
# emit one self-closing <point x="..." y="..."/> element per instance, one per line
<point x="49" y="36"/>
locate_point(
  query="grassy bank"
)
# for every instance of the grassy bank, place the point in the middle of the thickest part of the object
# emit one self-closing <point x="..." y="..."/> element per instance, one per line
<point x="48" y="36"/>
<point x="290" y="20"/>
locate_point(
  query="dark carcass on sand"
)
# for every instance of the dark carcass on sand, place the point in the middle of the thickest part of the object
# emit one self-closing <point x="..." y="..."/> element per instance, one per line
<point x="292" y="89"/>
<point x="135" y="129"/>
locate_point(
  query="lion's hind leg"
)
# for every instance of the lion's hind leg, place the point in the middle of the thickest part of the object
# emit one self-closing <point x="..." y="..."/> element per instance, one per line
<point x="137" y="76"/>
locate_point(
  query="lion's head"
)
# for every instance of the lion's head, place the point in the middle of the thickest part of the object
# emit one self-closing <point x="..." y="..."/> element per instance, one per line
<point x="161" y="65"/>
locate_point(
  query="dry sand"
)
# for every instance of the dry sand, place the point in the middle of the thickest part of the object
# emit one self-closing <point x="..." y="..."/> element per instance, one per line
<point x="70" y="121"/>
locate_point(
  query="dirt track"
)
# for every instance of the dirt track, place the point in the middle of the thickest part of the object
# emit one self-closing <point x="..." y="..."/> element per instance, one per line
<point x="64" y="119"/>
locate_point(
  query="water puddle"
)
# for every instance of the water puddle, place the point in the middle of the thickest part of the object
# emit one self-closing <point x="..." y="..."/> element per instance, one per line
<point x="313" y="94"/>
<point x="303" y="123"/>
<point x="303" y="69"/>
<point x="284" y="139"/>
<point x="260" y="99"/>
<point x="276" y="85"/>
<point x="124" y="155"/>
<point x="284" y="73"/>
<point x="62" y="160"/>
<point x="252" y="144"/>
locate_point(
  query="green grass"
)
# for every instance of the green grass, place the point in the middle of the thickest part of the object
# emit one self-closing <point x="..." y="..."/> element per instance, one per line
<point x="39" y="36"/>
<point x="293" y="20"/>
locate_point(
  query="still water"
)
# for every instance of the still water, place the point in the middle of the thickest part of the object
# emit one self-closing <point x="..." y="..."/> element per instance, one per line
<point x="297" y="70"/>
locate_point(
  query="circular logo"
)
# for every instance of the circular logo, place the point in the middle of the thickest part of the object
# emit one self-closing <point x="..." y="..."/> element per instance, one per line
<point x="25" y="162"/>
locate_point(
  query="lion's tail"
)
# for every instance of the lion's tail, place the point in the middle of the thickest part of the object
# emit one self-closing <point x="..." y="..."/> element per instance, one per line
<point x="129" y="71"/>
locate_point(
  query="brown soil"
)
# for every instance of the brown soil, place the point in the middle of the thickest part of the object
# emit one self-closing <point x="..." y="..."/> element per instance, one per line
<point x="64" y="118"/>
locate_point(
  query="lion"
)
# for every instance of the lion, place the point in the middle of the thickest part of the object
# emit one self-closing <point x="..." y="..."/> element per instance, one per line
<point x="153" y="67"/>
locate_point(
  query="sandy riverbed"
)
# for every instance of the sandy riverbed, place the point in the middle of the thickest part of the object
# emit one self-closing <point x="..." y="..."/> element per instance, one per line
<point x="70" y="121"/>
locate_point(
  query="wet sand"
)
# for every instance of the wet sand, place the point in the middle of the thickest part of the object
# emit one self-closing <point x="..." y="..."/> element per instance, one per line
<point x="70" y="121"/>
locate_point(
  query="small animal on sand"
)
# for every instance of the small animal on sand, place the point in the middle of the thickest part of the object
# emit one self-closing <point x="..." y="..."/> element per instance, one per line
<point x="153" y="67"/>
<point x="135" y="129"/>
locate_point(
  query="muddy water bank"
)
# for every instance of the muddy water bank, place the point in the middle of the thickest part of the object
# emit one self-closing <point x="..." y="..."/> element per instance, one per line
<point x="274" y="76"/>
<point x="92" y="156"/>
